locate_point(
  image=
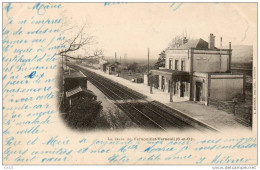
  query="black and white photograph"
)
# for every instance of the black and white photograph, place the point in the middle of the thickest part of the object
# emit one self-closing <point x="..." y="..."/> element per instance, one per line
<point x="129" y="83"/>
<point x="196" y="81"/>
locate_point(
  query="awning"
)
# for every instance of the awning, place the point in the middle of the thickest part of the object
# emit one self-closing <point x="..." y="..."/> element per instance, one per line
<point x="175" y="74"/>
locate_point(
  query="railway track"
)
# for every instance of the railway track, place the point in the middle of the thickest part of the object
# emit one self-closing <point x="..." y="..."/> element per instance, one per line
<point x="146" y="114"/>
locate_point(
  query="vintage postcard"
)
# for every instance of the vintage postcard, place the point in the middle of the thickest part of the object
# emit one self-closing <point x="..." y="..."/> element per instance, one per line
<point x="129" y="83"/>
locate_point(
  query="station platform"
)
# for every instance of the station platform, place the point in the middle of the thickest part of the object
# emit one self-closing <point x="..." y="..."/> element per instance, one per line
<point x="209" y="115"/>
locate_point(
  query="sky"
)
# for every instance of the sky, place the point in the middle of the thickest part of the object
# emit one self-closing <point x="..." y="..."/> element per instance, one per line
<point x="132" y="28"/>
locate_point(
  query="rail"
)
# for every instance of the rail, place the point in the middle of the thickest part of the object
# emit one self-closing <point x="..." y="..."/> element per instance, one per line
<point x="103" y="87"/>
<point x="153" y="112"/>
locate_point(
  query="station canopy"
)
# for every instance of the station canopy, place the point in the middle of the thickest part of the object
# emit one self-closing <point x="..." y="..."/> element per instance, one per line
<point x="172" y="74"/>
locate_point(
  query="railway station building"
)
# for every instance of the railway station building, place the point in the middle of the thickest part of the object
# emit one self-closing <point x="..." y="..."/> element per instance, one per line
<point x="74" y="94"/>
<point x="198" y="71"/>
<point x="103" y="66"/>
<point x="109" y="68"/>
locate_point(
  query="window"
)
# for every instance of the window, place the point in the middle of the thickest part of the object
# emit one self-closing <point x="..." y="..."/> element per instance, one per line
<point x="182" y="65"/>
<point x="170" y="63"/>
<point x="176" y="64"/>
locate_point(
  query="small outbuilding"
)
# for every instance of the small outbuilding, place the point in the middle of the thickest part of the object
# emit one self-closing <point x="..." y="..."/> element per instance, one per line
<point x="103" y="67"/>
<point x="111" y="69"/>
<point x="74" y="94"/>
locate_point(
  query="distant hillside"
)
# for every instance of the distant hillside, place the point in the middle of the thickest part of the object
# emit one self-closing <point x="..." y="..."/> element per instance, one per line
<point x="242" y="53"/>
<point x="141" y="61"/>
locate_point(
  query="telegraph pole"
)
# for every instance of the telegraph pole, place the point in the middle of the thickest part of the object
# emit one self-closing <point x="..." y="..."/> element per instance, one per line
<point x="66" y="62"/>
<point x="220" y="54"/>
<point x="148" y="63"/>
<point x="149" y="77"/>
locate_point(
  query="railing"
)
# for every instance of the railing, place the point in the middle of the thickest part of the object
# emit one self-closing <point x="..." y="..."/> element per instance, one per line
<point x="138" y="78"/>
<point x="222" y="105"/>
<point x="242" y="113"/>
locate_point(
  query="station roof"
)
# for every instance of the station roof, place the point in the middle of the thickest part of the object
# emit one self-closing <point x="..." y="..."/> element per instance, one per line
<point x="169" y="73"/>
<point x="112" y="65"/>
<point x="77" y="90"/>
<point x="104" y="64"/>
<point x="196" y="44"/>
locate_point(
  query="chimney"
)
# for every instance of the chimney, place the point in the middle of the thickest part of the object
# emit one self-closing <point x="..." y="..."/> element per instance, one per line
<point x="184" y="40"/>
<point x="230" y="45"/>
<point x="220" y="42"/>
<point x="211" y="41"/>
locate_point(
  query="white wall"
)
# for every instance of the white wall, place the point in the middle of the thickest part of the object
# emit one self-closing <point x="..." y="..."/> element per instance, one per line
<point x="178" y="57"/>
<point x="210" y="63"/>
<point x="226" y="89"/>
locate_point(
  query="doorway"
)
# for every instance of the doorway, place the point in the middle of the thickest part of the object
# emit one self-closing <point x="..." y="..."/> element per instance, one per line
<point x="163" y="83"/>
<point x="169" y="86"/>
<point x="182" y="89"/>
<point x="198" y="91"/>
<point x="174" y="87"/>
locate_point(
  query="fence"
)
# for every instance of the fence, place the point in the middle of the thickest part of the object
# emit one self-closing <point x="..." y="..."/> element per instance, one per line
<point x="243" y="114"/>
<point x="222" y="105"/>
<point x="138" y="78"/>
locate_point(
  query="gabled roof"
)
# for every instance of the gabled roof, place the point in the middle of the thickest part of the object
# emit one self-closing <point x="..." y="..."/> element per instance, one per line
<point x="104" y="64"/>
<point x="111" y="65"/>
<point x="196" y="43"/>
<point x="75" y="75"/>
<point x="78" y="89"/>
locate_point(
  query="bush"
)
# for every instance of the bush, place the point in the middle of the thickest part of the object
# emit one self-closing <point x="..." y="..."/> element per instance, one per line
<point x="83" y="113"/>
<point x="132" y="67"/>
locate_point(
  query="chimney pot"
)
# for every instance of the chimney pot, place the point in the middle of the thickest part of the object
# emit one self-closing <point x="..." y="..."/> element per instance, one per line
<point x="211" y="41"/>
<point x="184" y="40"/>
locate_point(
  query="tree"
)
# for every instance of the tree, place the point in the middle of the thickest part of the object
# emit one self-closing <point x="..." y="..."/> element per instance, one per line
<point x="83" y="113"/>
<point x="79" y="40"/>
<point x="178" y="40"/>
<point x="161" y="60"/>
<point x="98" y="52"/>
<point x="76" y="42"/>
<point x="132" y="67"/>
